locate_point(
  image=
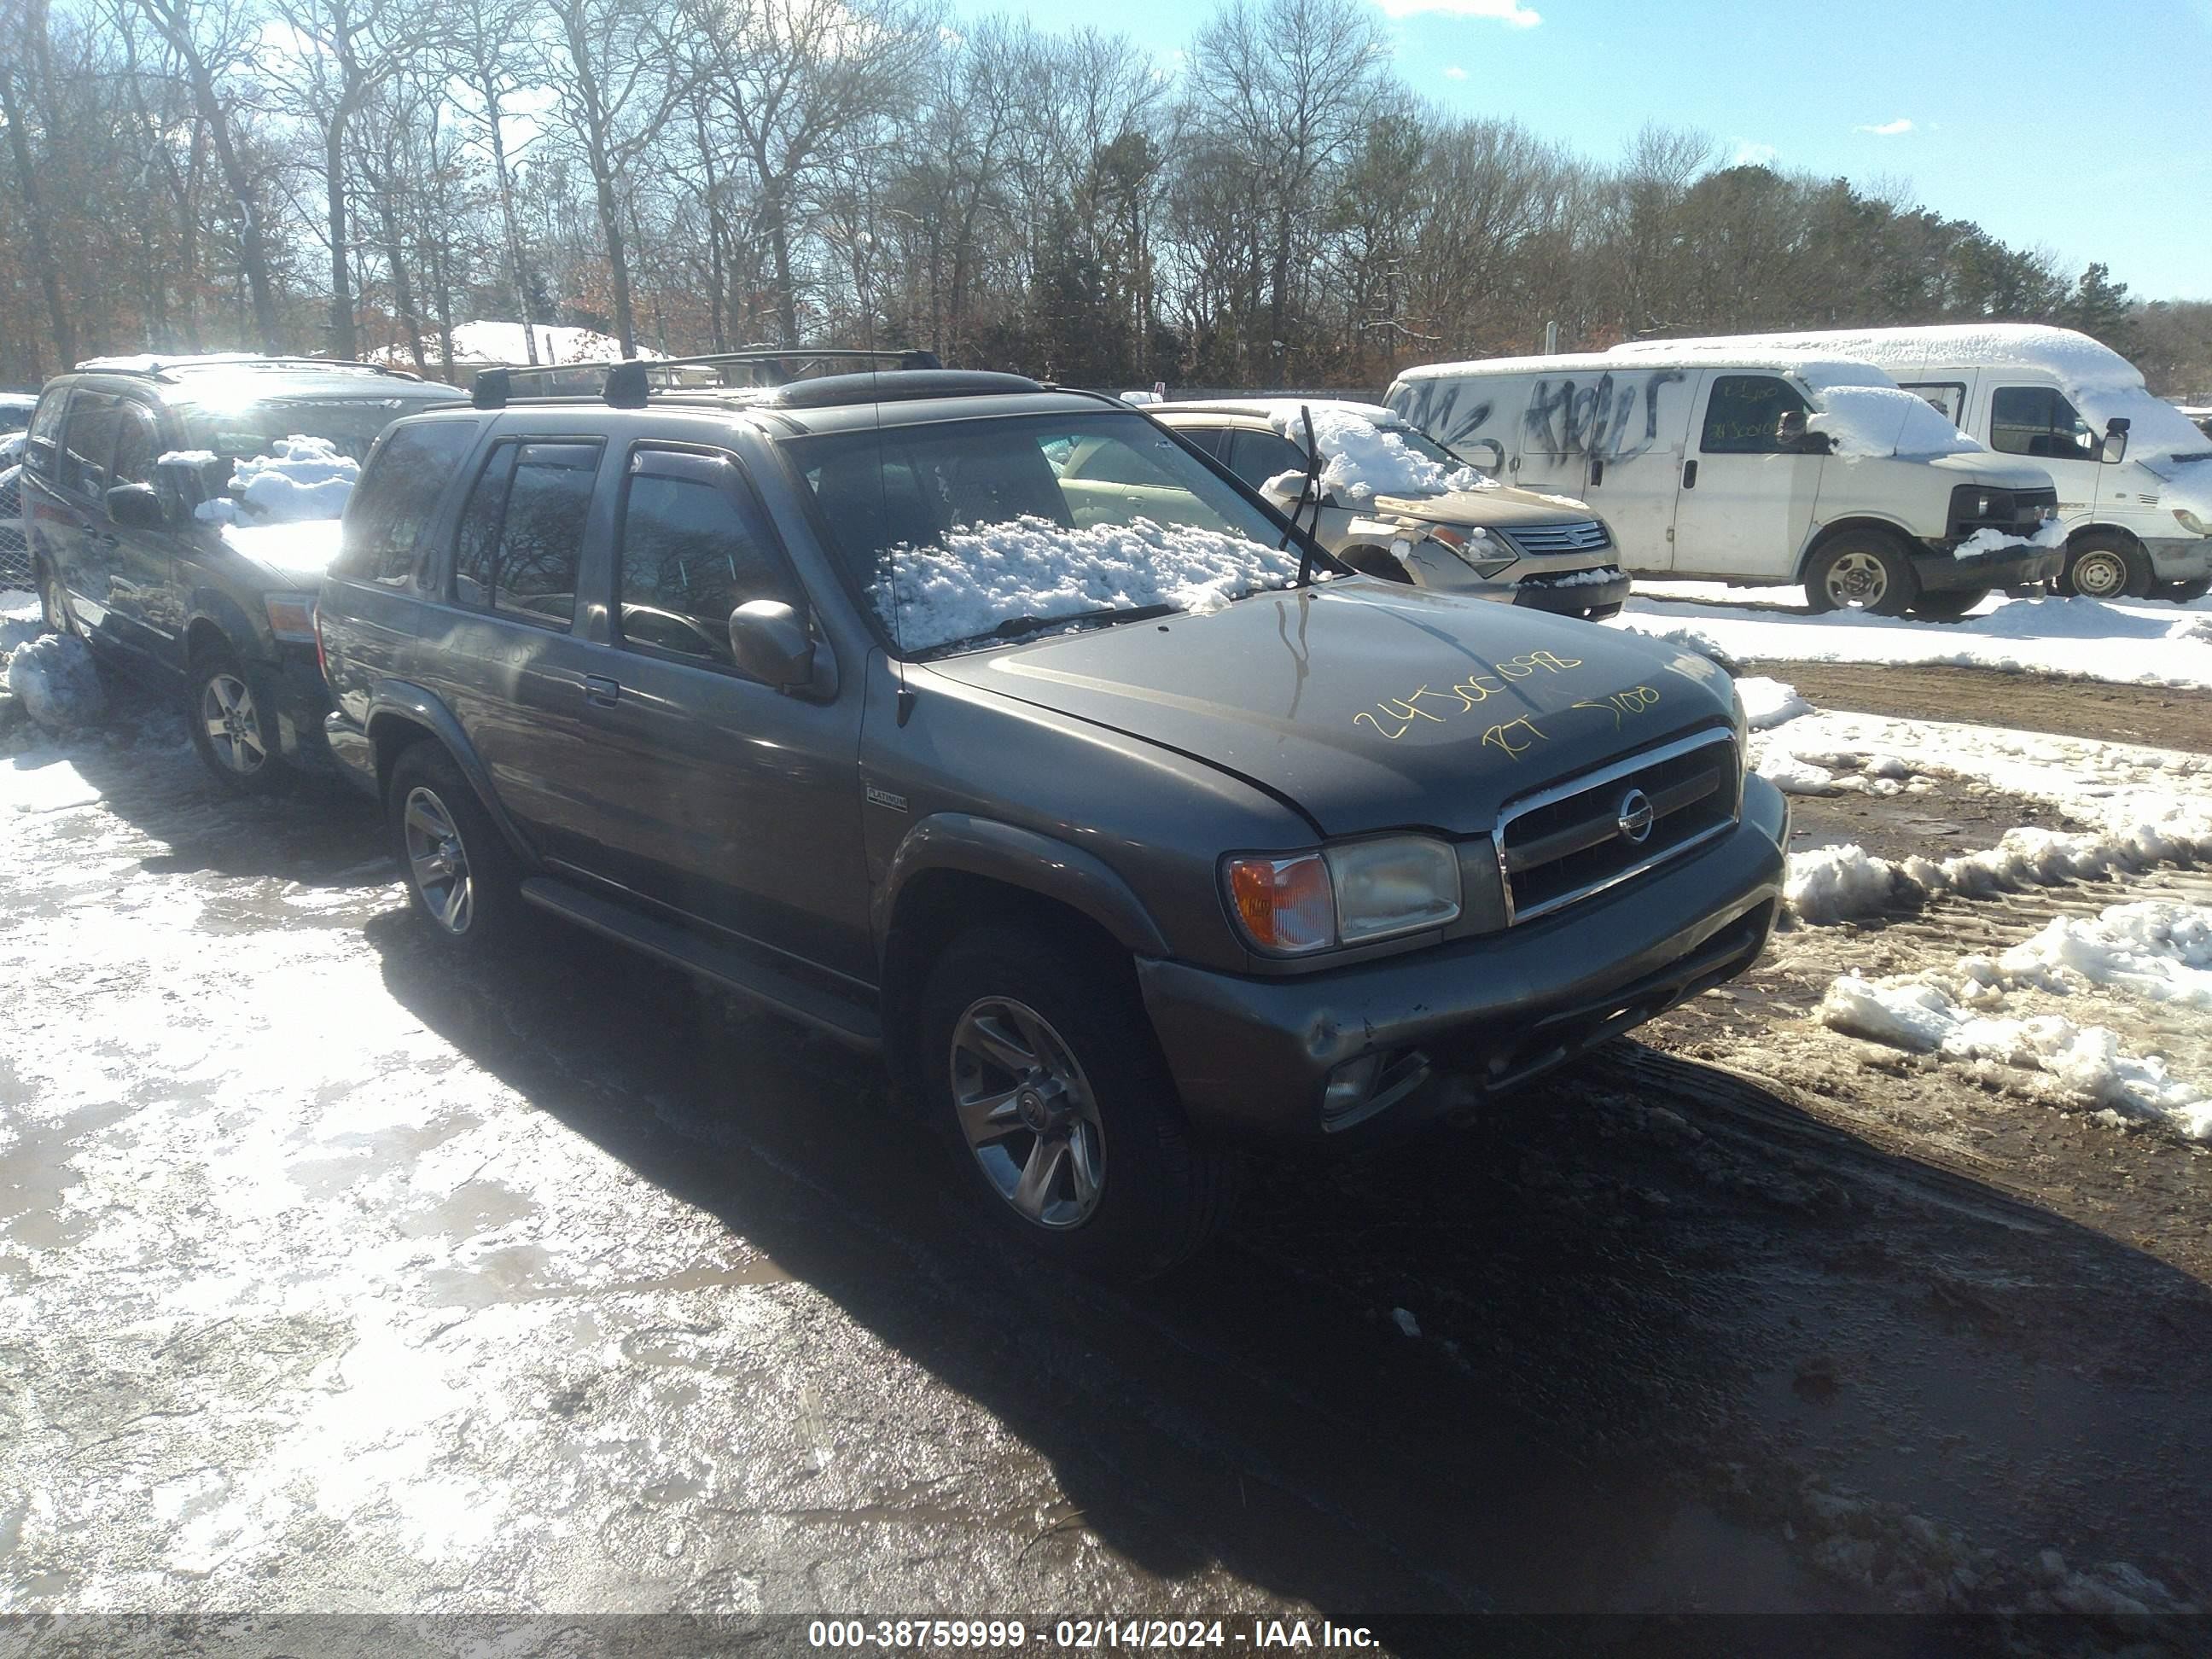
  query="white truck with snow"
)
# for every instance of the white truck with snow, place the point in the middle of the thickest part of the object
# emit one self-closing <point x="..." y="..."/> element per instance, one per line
<point x="2134" y="473"/>
<point x="1755" y="468"/>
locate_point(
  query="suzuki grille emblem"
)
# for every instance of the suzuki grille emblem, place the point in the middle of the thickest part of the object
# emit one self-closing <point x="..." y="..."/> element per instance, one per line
<point x="1634" y="818"/>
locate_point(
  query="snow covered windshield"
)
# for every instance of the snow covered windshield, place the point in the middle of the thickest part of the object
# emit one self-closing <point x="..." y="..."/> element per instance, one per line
<point x="963" y="533"/>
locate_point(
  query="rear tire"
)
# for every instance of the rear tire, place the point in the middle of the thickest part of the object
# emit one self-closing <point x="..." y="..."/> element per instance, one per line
<point x="1039" y="1068"/>
<point x="1374" y="562"/>
<point x="461" y="875"/>
<point x="1949" y="603"/>
<point x="233" y="732"/>
<point x="1862" y="570"/>
<point x="2099" y="566"/>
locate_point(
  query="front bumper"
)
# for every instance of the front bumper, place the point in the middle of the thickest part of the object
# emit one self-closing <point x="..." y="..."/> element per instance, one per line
<point x="350" y="748"/>
<point x="294" y="686"/>
<point x="1252" y="1057"/>
<point x="2005" y="567"/>
<point x="2178" y="558"/>
<point x="1574" y="599"/>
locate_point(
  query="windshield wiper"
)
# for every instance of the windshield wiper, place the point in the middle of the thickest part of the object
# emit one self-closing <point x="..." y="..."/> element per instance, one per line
<point x="1017" y="625"/>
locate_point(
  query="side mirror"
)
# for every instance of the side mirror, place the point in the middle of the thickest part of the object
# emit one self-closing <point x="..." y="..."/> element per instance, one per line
<point x="2115" y="447"/>
<point x="137" y="507"/>
<point x="1816" y="443"/>
<point x="769" y="641"/>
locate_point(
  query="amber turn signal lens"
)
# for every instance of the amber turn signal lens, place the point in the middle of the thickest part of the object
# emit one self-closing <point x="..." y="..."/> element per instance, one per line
<point x="1284" y="903"/>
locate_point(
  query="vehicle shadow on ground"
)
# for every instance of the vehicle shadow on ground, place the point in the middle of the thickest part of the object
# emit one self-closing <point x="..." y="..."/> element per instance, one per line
<point x="313" y="829"/>
<point x="1541" y="1444"/>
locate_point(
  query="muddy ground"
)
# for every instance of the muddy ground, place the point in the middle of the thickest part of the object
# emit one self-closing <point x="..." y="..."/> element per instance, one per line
<point x="2165" y="717"/>
<point x="335" y="1276"/>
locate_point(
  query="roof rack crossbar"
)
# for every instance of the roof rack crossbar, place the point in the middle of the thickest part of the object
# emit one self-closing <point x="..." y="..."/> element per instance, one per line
<point x="629" y="381"/>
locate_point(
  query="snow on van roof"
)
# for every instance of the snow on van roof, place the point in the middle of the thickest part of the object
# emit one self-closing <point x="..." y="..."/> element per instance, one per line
<point x="1815" y="367"/>
<point x="1272" y="408"/>
<point x="2101" y="384"/>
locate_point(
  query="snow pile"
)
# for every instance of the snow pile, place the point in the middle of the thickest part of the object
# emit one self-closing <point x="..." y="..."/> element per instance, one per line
<point x="2158" y="951"/>
<point x="2142" y="642"/>
<point x="1769" y="703"/>
<point x="967" y="584"/>
<point x="303" y="478"/>
<point x="1872" y="421"/>
<point x="53" y="676"/>
<point x="1596" y="574"/>
<point x="1365" y="457"/>
<point x="11" y="447"/>
<point x="2146" y="807"/>
<point x="2085" y="1062"/>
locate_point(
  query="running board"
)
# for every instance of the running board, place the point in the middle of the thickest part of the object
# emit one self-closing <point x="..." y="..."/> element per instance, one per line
<point x="732" y="969"/>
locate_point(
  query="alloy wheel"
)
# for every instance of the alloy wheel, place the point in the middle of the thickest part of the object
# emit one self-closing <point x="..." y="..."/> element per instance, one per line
<point x="233" y="725"/>
<point x="1857" y="579"/>
<point x="1028" y="1113"/>
<point x="437" y="861"/>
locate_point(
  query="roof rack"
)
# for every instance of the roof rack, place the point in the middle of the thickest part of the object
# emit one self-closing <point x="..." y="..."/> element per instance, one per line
<point x="628" y="383"/>
<point x="160" y="368"/>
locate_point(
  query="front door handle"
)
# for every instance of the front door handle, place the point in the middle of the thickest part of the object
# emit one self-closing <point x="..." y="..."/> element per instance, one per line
<point x="1689" y="475"/>
<point x="600" y="691"/>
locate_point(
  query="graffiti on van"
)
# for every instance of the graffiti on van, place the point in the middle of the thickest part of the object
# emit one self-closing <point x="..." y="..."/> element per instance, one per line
<point x="1566" y="419"/>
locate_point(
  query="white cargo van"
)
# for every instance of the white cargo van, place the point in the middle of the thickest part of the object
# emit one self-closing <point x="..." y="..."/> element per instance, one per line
<point x="2134" y="473"/>
<point x="1755" y="468"/>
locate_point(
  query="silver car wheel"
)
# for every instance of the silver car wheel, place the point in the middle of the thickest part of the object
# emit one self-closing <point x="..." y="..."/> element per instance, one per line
<point x="1028" y="1113"/>
<point x="233" y="724"/>
<point x="1858" y="581"/>
<point x="437" y="862"/>
<point x="2100" y="573"/>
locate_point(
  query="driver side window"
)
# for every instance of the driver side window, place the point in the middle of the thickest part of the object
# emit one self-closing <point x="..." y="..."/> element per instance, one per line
<point x="2034" y="420"/>
<point x="692" y="552"/>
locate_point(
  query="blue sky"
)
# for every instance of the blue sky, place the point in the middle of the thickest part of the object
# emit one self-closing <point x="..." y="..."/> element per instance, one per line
<point x="2085" y="127"/>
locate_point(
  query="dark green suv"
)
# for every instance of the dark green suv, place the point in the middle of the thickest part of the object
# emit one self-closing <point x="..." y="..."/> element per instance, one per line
<point x="178" y="513"/>
<point x="1129" y="825"/>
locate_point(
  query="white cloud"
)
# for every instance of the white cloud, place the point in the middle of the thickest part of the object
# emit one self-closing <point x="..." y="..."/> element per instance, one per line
<point x="1454" y="73"/>
<point x="1510" y="12"/>
<point x="1749" y="153"/>
<point x="1888" y="129"/>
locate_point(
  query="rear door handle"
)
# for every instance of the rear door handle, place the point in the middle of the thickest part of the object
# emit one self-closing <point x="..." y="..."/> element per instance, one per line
<point x="1689" y="475"/>
<point x="600" y="691"/>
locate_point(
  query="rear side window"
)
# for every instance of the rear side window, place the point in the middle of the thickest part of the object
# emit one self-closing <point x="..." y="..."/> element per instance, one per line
<point x="2034" y="420"/>
<point x="521" y="538"/>
<point x="43" y="444"/>
<point x="1753" y="415"/>
<point x="692" y="552"/>
<point x="392" y="504"/>
<point x="88" y="441"/>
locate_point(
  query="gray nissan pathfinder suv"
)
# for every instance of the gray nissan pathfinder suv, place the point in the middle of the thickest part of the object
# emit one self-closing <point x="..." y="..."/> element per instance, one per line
<point x="1128" y="838"/>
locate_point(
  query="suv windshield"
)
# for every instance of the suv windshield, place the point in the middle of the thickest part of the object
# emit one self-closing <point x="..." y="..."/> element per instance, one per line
<point x="959" y="533"/>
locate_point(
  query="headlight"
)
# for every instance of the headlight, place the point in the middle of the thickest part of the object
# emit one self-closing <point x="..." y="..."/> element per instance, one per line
<point x="1354" y="893"/>
<point x="1476" y="547"/>
<point x="2192" y="523"/>
<point x="291" y="616"/>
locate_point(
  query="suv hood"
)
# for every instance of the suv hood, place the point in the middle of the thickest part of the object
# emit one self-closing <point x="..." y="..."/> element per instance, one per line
<point x="1340" y="699"/>
<point x="1502" y="506"/>
<point x="296" y="554"/>
<point x="1988" y="467"/>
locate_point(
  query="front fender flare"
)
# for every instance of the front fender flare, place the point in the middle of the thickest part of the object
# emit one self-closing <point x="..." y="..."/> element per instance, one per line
<point x="411" y="704"/>
<point x="1040" y="864"/>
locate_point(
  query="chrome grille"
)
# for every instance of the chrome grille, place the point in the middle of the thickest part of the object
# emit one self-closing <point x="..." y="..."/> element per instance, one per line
<point x="1584" y="536"/>
<point x="1575" y="838"/>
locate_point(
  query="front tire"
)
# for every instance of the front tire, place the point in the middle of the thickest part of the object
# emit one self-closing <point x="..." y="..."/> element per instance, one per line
<point x="1861" y="570"/>
<point x="1039" y="1068"/>
<point x="234" y="735"/>
<point x="2103" y="567"/>
<point x="2186" y="592"/>
<point x="460" y="874"/>
<point x="53" y="603"/>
